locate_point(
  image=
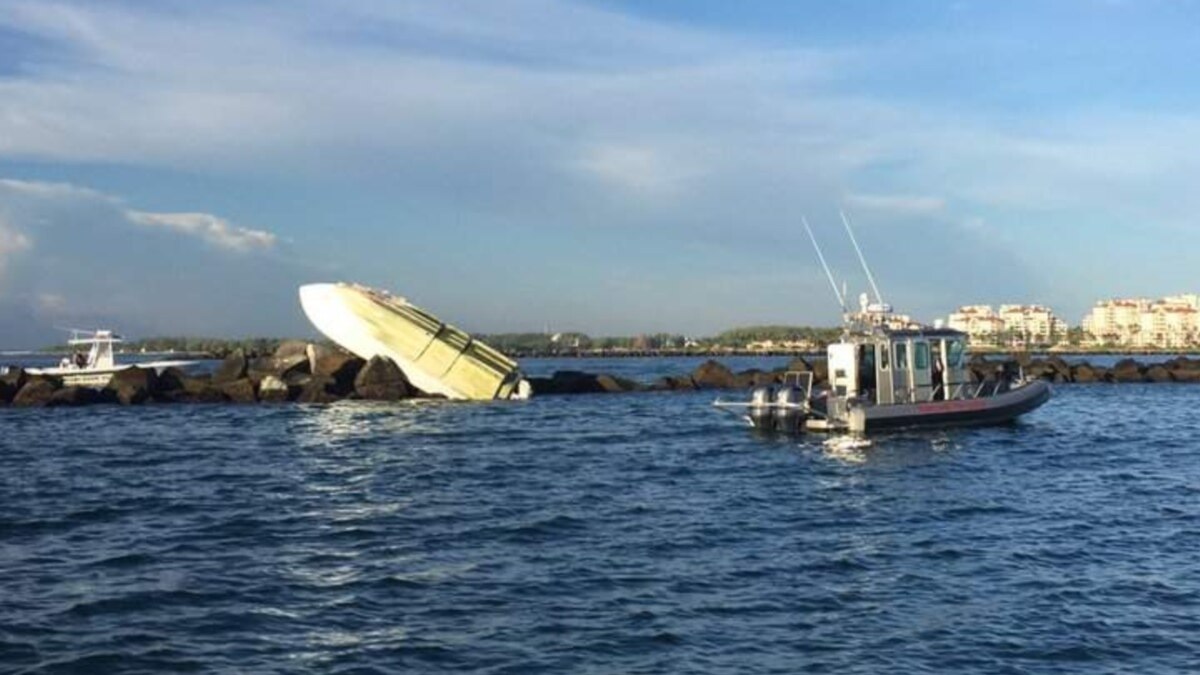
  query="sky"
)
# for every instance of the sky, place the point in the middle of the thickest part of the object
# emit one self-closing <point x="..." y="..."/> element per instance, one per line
<point x="613" y="167"/>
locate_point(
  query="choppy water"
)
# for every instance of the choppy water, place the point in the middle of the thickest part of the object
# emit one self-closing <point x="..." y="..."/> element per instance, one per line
<point x="600" y="534"/>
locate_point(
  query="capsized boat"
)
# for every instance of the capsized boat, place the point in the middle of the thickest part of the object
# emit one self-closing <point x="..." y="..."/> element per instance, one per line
<point x="435" y="356"/>
<point x="95" y="366"/>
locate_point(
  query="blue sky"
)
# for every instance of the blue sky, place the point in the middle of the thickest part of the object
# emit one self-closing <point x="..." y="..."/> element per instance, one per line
<point x="611" y="167"/>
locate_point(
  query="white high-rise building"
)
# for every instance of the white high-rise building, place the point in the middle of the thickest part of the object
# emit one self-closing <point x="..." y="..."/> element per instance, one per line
<point x="1171" y="322"/>
<point x="1024" y="324"/>
<point x="1032" y="323"/>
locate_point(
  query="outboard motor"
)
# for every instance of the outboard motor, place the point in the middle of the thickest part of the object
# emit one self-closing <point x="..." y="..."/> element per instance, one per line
<point x="788" y="415"/>
<point x="760" y="407"/>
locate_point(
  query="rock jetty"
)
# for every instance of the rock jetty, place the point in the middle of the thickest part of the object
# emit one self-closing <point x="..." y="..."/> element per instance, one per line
<point x="296" y="372"/>
<point x="311" y="373"/>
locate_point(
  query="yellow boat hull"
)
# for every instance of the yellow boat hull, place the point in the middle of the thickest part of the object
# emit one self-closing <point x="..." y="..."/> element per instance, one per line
<point x="435" y="356"/>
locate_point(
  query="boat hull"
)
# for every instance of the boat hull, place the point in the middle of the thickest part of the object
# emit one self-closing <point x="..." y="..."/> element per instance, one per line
<point x="99" y="377"/>
<point x="436" y="357"/>
<point x="998" y="409"/>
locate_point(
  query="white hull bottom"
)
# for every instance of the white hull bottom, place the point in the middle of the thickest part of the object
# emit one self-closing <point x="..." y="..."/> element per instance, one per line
<point x="436" y="358"/>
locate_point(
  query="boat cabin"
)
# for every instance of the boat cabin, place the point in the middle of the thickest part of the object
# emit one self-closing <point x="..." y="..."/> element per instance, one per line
<point x="900" y="366"/>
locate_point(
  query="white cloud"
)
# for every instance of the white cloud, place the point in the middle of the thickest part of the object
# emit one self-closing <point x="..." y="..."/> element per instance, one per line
<point x="905" y="204"/>
<point x="208" y="227"/>
<point x="12" y="242"/>
<point x="645" y="170"/>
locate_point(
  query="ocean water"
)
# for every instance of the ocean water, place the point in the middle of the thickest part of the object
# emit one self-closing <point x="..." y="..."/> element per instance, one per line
<point x="641" y="533"/>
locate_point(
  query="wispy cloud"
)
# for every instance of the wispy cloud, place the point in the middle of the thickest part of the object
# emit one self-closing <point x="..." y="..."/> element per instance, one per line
<point x="12" y="242"/>
<point x="905" y="204"/>
<point x="208" y="227"/>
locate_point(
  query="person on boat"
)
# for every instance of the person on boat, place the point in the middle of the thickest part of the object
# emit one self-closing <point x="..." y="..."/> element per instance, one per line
<point x="938" y="378"/>
<point x="1004" y="377"/>
<point x="80" y="359"/>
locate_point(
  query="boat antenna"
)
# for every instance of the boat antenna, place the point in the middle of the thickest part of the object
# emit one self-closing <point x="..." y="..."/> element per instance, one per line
<point x="861" y="258"/>
<point x="841" y="297"/>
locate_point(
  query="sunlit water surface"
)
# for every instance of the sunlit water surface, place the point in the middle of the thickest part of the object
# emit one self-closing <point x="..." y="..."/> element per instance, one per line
<point x="642" y="533"/>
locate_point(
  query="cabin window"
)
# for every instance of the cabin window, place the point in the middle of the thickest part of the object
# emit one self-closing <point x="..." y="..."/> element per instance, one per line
<point x="954" y="353"/>
<point x="901" y="356"/>
<point x="922" y="356"/>
<point x="885" y="359"/>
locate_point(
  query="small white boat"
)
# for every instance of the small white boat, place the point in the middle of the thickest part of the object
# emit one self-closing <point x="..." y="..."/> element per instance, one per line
<point x="95" y="366"/>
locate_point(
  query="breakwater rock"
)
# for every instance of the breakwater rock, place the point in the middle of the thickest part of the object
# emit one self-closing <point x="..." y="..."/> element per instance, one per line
<point x="1055" y="369"/>
<point x="306" y="373"/>
<point x="716" y="375"/>
<point x="709" y="375"/>
<point x="309" y="373"/>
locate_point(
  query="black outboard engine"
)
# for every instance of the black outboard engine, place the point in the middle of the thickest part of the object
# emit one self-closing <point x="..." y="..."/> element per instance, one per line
<point x="789" y="415"/>
<point x="760" y="407"/>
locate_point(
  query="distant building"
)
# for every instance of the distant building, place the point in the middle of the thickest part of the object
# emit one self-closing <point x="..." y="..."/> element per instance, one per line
<point x="782" y="346"/>
<point x="1168" y="323"/>
<point x="1032" y="323"/>
<point x="979" y="322"/>
<point x="1011" y="325"/>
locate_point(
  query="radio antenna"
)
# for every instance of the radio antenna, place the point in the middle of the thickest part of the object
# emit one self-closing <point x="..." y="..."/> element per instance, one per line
<point x="861" y="258"/>
<point x="841" y="297"/>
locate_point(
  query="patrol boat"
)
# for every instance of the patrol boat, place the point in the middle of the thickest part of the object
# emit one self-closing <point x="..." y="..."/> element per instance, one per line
<point x="95" y="366"/>
<point x="887" y="373"/>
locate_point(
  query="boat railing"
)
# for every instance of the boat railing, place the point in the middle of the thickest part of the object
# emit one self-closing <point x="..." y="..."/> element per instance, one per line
<point x="796" y="377"/>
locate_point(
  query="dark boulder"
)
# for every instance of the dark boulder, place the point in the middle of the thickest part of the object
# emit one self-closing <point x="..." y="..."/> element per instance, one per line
<point x="1127" y="370"/>
<point x="232" y="368"/>
<point x="714" y="375"/>
<point x="338" y="365"/>
<point x="1158" y="373"/>
<point x="382" y="380"/>
<point x="239" y="391"/>
<point x="36" y="393"/>
<point x="290" y="348"/>
<point x="319" y="389"/>
<point x="271" y="389"/>
<point x="15" y="378"/>
<point x="616" y="385"/>
<point x="7" y="392"/>
<point x="566" y="382"/>
<point x="1043" y="370"/>
<point x="674" y="383"/>
<point x="1085" y="373"/>
<point x="758" y="378"/>
<point x="171" y="379"/>
<point x="1061" y="368"/>
<point x="202" y="394"/>
<point x="76" y="396"/>
<point x="279" y="366"/>
<point x="178" y="387"/>
<point x="1185" y="375"/>
<point x="133" y="386"/>
<point x="1183" y="363"/>
<point x="1039" y="370"/>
